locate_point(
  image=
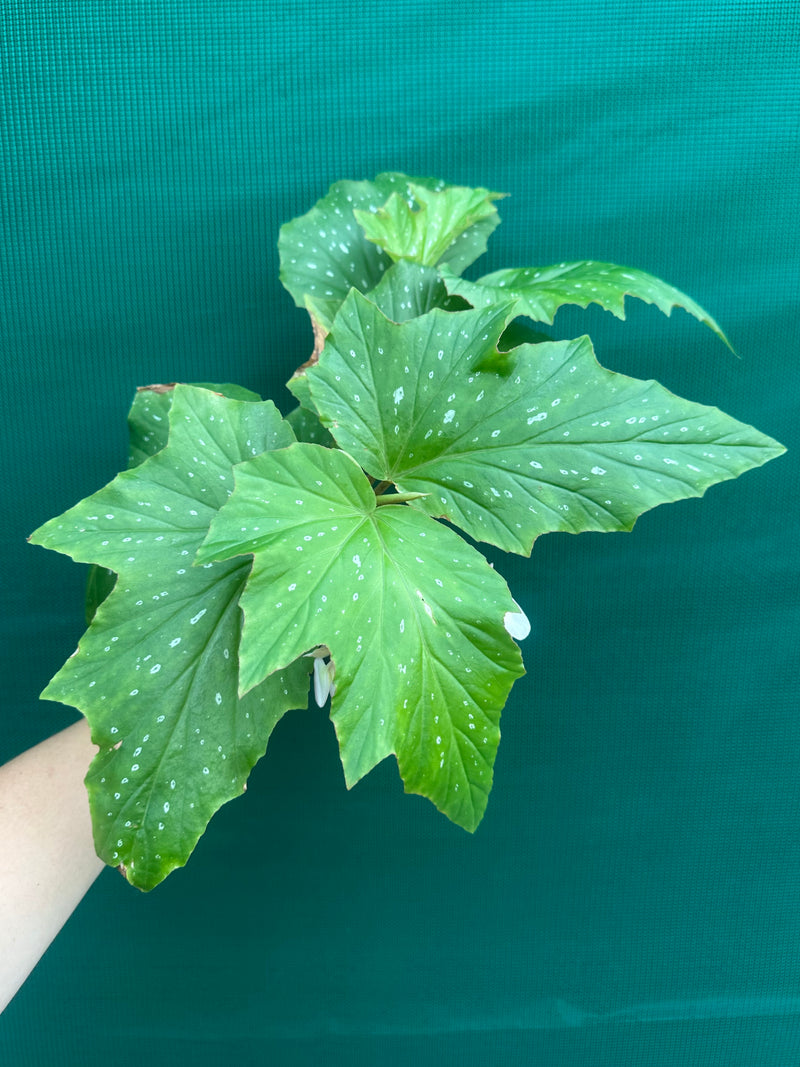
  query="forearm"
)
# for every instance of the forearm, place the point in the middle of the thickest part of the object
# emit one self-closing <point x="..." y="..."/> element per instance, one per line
<point x="47" y="858"/>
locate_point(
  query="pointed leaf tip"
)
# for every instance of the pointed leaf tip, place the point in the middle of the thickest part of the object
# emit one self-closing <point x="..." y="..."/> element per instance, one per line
<point x="509" y="448"/>
<point x="156" y="672"/>
<point x="541" y="291"/>
<point x="408" y="611"/>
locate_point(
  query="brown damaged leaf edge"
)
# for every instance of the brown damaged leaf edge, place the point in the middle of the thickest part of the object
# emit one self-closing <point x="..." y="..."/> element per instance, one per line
<point x="157" y="388"/>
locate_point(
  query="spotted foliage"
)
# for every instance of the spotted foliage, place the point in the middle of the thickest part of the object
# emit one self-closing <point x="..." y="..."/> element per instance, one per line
<point x="156" y="672"/>
<point x="413" y="618"/>
<point x="242" y="552"/>
<point x="510" y="446"/>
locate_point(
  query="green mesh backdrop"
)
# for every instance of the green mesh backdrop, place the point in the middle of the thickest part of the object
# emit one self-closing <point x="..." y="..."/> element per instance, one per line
<point x="632" y="897"/>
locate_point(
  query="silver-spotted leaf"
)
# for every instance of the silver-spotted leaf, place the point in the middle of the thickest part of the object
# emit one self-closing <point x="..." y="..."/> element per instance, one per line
<point x="541" y="291"/>
<point x="412" y="615"/>
<point x="156" y="672"/>
<point x="324" y="253"/>
<point x="148" y="428"/>
<point x="407" y="290"/>
<point x="148" y="418"/>
<point x="508" y="446"/>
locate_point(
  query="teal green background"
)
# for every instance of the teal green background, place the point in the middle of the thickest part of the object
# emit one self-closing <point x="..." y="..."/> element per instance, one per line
<point x="632" y="897"/>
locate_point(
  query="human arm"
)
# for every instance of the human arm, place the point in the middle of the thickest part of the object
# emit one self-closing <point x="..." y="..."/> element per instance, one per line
<point x="47" y="857"/>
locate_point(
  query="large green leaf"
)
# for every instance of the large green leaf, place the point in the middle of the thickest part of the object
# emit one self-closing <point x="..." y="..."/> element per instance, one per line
<point x="148" y="427"/>
<point x="413" y="617"/>
<point x="405" y="291"/>
<point x="156" y="674"/>
<point x="448" y="224"/>
<point x="541" y="291"/>
<point x="509" y="446"/>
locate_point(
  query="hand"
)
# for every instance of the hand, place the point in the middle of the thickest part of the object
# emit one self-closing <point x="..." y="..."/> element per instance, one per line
<point x="48" y="857"/>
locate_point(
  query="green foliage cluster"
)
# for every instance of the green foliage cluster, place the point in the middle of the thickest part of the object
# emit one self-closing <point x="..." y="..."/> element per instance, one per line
<point x="242" y="552"/>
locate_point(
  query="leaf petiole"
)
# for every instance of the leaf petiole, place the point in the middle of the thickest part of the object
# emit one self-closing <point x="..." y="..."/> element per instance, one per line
<point x="396" y="498"/>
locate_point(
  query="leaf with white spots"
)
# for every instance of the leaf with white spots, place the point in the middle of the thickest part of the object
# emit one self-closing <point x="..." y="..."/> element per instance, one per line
<point x="148" y="427"/>
<point x="541" y="291"/>
<point x="508" y="446"/>
<point x="156" y="673"/>
<point x="307" y="427"/>
<point x="148" y="418"/>
<point x="449" y="225"/>
<point x="407" y="290"/>
<point x="413" y="617"/>
<point x="325" y="253"/>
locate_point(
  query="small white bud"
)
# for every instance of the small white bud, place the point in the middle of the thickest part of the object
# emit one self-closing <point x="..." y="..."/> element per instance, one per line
<point x="323" y="681"/>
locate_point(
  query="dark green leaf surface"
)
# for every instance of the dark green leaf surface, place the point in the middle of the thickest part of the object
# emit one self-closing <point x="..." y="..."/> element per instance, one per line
<point x="308" y="428"/>
<point x="447" y="224"/>
<point x="552" y="442"/>
<point x="99" y="584"/>
<point x="407" y="290"/>
<point x="412" y="615"/>
<point x="541" y="291"/>
<point x="156" y="673"/>
<point x="148" y="422"/>
<point x="324" y="253"/>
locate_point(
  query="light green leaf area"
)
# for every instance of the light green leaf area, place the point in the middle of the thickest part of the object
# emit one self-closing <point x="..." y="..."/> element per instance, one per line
<point x="450" y="224"/>
<point x="541" y="291"/>
<point x="554" y="442"/>
<point x="148" y="418"/>
<point x="324" y="253"/>
<point x="412" y="615"/>
<point x="156" y="673"/>
<point x="299" y="388"/>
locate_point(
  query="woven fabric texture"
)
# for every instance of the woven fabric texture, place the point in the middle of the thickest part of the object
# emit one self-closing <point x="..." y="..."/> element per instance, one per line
<point x="632" y="897"/>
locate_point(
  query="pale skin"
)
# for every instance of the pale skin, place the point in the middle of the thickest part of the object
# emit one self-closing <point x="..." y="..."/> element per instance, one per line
<point x="47" y="857"/>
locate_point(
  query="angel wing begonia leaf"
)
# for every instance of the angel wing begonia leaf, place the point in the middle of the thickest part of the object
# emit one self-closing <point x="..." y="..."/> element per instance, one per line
<point x="156" y="672"/>
<point x="148" y="418"/>
<point x="553" y="441"/>
<point x="412" y="615"/>
<point x="541" y="291"/>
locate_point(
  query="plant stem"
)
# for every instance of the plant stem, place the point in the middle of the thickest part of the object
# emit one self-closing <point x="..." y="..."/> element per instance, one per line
<point x="398" y="498"/>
